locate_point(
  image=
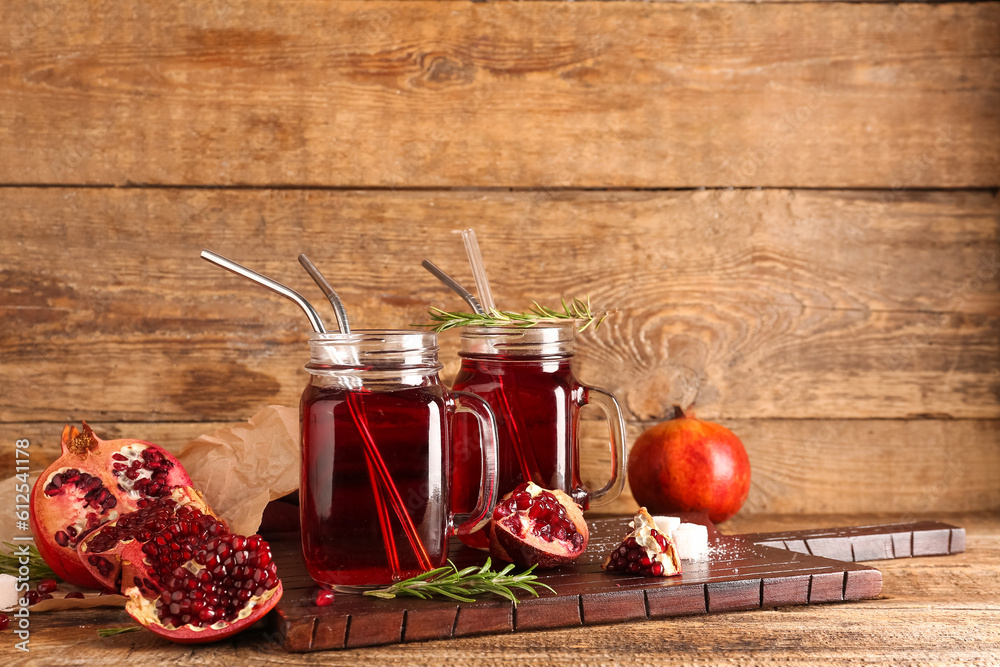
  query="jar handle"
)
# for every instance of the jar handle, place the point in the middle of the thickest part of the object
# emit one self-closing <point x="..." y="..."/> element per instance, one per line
<point x="616" y="423"/>
<point x="464" y="524"/>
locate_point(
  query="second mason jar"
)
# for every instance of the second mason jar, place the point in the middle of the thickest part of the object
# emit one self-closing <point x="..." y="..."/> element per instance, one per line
<point x="526" y="376"/>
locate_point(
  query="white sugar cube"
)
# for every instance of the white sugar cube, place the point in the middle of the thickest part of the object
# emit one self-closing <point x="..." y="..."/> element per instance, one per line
<point x="691" y="541"/>
<point x="666" y="524"/>
<point x="8" y="592"/>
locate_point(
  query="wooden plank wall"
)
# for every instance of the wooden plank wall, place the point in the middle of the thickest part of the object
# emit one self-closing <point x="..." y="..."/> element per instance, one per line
<point x="793" y="206"/>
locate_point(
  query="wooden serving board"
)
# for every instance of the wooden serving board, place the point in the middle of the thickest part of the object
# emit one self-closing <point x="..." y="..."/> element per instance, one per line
<point x="743" y="572"/>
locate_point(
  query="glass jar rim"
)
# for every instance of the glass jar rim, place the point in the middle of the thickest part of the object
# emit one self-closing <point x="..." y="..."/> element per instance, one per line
<point x="373" y="349"/>
<point x="544" y="339"/>
<point x="398" y="338"/>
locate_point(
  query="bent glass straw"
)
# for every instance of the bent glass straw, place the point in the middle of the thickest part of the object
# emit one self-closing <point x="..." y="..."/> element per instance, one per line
<point x="269" y="283"/>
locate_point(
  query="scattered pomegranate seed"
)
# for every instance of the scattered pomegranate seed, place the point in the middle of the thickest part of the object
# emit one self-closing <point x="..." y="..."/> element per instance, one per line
<point x="32" y="597"/>
<point x="324" y="598"/>
<point x="47" y="585"/>
<point x="4" y="621"/>
<point x="75" y="595"/>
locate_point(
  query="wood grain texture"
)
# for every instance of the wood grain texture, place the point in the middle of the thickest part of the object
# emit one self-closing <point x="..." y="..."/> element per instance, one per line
<point x="934" y="611"/>
<point x="772" y="304"/>
<point x="540" y="94"/>
<point x="849" y="465"/>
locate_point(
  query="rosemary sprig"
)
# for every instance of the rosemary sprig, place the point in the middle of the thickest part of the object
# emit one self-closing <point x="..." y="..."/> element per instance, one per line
<point x="111" y="632"/>
<point x="464" y="584"/>
<point x="9" y="563"/>
<point x="577" y="309"/>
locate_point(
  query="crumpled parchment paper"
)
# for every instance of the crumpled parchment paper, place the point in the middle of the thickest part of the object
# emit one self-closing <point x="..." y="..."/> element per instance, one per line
<point x="242" y="467"/>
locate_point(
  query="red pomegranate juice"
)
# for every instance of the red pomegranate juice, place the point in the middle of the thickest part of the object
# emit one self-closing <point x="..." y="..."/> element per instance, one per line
<point x="352" y="531"/>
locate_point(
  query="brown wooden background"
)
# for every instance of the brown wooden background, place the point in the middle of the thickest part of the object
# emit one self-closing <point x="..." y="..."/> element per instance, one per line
<point x="793" y="206"/>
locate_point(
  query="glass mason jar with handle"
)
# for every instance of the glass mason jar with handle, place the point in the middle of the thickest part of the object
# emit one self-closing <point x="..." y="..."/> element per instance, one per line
<point x="526" y="376"/>
<point x="377" y="472"/>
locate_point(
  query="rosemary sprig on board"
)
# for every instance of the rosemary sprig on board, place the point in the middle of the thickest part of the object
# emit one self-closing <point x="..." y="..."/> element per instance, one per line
<point x="464" y="584"/>
<point x="9" y="563"/>
<point x="578" y="310"/>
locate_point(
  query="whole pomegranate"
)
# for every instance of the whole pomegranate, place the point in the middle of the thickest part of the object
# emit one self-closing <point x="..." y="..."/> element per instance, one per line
<point x="686" y="464"/>
<point x="534" y="526"/>
<point x="92" y="482"/>
<point x="186" y="576"/>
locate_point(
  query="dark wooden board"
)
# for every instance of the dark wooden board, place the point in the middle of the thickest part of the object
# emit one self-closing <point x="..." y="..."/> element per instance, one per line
<point x="862" y="543"/>
<point x="744" y="572"/>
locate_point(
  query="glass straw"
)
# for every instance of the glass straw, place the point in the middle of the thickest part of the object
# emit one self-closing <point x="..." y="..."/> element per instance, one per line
<point x="525" y="455"/>
<point x="478" y="269"/>
<point x="386" y="485"/>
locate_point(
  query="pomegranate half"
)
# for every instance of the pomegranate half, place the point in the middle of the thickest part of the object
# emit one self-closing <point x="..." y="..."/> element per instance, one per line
<point x="92" y="482"/>
<point x="534" y="526"/>
<point x="186" y="576"/>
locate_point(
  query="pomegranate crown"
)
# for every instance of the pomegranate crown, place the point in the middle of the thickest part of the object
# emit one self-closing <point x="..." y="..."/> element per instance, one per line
<point x="80" y="444"/>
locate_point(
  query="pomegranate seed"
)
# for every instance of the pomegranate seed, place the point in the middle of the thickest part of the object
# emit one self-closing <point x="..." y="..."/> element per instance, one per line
<point x="4" y="621"/>
<point x="75" y="595"/>
<point x="62" y="539"/>
<point x="47" y="585"/>
<point x="324" y="598"/>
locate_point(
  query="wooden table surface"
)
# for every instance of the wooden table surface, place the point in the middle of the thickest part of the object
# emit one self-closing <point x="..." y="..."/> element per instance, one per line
<point x="933" y="610"/>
